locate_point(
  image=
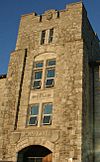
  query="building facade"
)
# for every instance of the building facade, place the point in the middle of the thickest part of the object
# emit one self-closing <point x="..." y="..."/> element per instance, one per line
<point x="50" y="98"/>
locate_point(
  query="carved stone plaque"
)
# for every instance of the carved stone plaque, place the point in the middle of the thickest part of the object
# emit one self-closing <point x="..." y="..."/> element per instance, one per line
<point x="37" y="97"/>
<point x="53" y="135"/>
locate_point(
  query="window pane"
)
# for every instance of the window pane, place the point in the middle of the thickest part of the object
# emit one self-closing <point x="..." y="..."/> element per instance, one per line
<point x="39" y="64"/>
<point x="51" y="73"/>
<point x="38" y="75"/>
<point x="43" y="37"/>
<point x="43" y="33"/>
<point x="33" y="120"/>
<point x="48" y="109"/>
<point x="46" y="119"/>
<point x="51" y="35"/>
<point x="37" y="84"/>
<point x="34" y="109"/>
<point x="51" y="62"/>
<point x="51" y="31"/>
<point x="49" y="82"/>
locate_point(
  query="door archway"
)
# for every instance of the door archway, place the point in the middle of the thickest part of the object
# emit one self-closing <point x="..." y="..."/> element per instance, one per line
<point x="35" y="153"/>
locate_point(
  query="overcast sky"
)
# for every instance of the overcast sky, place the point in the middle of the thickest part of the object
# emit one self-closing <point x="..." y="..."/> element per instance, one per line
<point x="11" y="11"/>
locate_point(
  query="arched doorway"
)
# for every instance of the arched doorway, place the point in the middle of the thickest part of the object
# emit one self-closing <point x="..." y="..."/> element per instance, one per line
<point x="35" y="153"/>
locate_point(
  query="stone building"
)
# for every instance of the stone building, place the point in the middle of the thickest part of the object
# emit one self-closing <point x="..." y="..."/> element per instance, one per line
<point x="50" y="97"/>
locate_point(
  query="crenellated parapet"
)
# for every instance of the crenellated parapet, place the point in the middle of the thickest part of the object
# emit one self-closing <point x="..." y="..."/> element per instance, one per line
<point x="67" y="23"/>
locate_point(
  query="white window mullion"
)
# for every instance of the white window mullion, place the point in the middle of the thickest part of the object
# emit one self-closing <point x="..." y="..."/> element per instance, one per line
<point x="39" y="115"/>
<point x="43" y="75"/>
<point x="46" y="36"/>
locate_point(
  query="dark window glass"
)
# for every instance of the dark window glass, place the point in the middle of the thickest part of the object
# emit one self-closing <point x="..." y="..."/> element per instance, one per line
<point x="50" y="73"/>
<point x="38" y="75"/>
<point x="33" y="120"/>
<point x="51" y="35"/>
<point x="51" y="62"/>
<point x="37" y="84"/>
<point x="49" y="82"/>
<point x="29" y="159"/>
<point x="39" y="64"/>
<point x="43" y="37"/>
<point x="38" y="159"/>
<point x="47" y="120"/>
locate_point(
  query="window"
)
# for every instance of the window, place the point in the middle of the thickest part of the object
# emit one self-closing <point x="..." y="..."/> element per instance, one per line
<point x="43" y="37"/>
<point x="47" y="114"/>
<point x="50" y="73"/>
<point x="47" y="36"/>
<point x="37" y="75"/>
<point x="34" y="159"/>
<point x="40" y="114"/>
<point x="33" y="114"/>
<point x="44" y="74"/>
<point x="51" y="31"/>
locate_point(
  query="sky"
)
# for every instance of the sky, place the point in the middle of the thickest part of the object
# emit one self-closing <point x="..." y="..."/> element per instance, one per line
<point x="10" y="14"/>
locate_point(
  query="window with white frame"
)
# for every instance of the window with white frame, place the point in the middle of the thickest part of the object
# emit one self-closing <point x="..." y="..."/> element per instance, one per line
<point x="47" y="36"/>
<point x="50" y="73"/>
<point x="47" y="114"/>
<point x="37" y="75"/>
<point x="44" y="74"/>
<point x="33" y="114"/>
<point x="40" y="114"/>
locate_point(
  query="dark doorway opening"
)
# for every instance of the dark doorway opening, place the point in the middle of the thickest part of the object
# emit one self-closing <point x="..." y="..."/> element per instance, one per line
<point x="35" y="153"/>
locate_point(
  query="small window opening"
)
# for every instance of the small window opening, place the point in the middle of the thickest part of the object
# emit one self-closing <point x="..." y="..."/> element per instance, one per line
<point x="51" y="31"/>
<point x="43" y="37"/>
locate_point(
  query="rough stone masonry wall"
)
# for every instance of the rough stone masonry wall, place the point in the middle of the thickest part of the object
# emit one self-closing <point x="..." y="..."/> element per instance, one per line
<point x="68" y="100"/>
<point x="67" y="115"/>
<point x="13" y="82"/>
<point x="68" y="104"/>
<point x="64" y="137"/>
<point x="30" y="27"/>
<point x="2" y="90"/>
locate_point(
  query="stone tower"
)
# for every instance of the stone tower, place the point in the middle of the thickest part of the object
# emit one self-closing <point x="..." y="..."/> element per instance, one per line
<point x="49" y="100"/>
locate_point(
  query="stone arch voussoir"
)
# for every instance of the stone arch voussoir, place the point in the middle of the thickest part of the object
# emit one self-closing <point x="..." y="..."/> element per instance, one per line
<point x="34" y="141"/>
